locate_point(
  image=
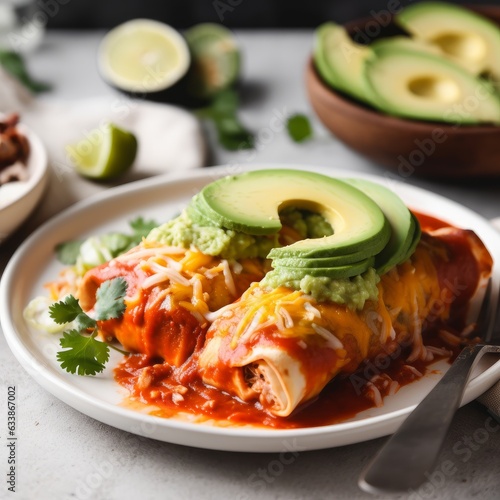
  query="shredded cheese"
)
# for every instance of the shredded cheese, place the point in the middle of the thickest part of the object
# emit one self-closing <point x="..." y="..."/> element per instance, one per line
<point x="332" y="341"/>
<point x="228" y="278"/>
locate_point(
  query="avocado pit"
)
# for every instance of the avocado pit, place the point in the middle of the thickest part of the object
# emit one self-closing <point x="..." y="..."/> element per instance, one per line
<point x="461" y="45"/>
<point x="435" y="87"/>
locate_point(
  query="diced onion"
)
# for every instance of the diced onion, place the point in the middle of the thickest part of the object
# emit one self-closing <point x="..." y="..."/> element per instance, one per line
<point x="37" y="315"/>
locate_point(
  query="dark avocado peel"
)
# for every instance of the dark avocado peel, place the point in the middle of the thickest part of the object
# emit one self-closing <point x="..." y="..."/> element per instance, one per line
<point x="215" y="60"/>
<point x="151" y="60"/>
<point x="146" y="59"/>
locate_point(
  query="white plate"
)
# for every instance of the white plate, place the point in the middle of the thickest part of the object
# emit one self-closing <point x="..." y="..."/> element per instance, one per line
<point x="99" y="397"/>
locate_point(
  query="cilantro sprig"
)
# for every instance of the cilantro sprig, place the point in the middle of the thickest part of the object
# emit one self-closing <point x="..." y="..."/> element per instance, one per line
<point x="83" y="353"/>
<point x="14" y="64"/>
<point x="223" y="112"/>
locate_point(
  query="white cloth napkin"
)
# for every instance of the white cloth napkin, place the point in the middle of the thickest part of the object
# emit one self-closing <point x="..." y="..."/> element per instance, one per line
<point x="491" y="398"/>
<point x="169" y="138"/>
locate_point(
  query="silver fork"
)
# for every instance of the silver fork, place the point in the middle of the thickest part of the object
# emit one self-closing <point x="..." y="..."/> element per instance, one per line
<point x="413" y="450"/>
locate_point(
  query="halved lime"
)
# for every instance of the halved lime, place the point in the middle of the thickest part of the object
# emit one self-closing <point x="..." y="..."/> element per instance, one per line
<point x="143" y="56"/>
<point x="105" y="153"/>
<point x="216" y="59"/>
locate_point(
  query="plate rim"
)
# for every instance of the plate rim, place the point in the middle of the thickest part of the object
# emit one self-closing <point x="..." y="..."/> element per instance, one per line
<point x="233" y="438"/>
<point x="35" y="185"/>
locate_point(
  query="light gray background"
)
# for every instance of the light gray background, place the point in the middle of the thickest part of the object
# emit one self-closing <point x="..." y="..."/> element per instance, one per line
<point x="64" y="454"/>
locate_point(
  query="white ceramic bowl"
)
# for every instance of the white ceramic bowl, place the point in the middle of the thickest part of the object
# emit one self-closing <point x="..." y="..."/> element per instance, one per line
<point x="25" y="195"/>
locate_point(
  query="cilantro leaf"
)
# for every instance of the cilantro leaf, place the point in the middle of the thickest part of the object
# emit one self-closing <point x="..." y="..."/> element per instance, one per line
<point x="226" y="102"/>
<point x="112" y="244"/>
<point x="83" y="355"/>
<point x="14" y="64"/>
<point x="110" y="295"/>
<point x="142" y="228"/>
<point x="231" y="133"/>
<point x="223" y="112"/>
<point x="299" y="128"/>
<point x="68" y="252"/>
<point x="116" y="243"/>
<point x="84" y="322"/>
<point x="66" y="310"/>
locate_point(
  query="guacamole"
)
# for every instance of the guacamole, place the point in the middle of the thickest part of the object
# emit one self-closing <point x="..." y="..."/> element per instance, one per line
<point x="211" y="240"/>
<point x="353" y="292"/>
<point x="229" y="244"/>
<point x="306" y="223"/>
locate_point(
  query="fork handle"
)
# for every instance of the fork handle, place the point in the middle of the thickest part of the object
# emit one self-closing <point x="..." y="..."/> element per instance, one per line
<point x="408" y="458"/>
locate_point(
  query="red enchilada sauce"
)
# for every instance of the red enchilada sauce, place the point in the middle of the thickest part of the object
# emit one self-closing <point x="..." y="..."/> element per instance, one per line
<point x="168" y="391"/>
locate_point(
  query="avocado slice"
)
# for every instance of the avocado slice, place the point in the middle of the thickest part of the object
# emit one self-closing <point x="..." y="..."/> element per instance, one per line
<point x="406" y="42"/>
<point x="340" y="61"/>
<point x="400" y="218"/>
<point x="251" y="202"/>
<point x="197" y="213"/>
<point x="338" y="272"/>
<point x="339" y="260"/>
<point x="416" y="238"/>
<point x="468" y="38"/>
<point x="423" y="86"/>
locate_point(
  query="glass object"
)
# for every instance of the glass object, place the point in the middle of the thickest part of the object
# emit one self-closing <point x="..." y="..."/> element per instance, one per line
<point x="22" y="23"/>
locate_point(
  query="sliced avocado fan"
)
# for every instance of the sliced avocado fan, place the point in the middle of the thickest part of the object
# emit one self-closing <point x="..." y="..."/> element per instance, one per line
<point x="405" y="42"/>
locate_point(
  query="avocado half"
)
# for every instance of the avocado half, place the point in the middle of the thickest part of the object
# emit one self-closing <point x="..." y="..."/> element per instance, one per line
<point x="469" y="39"/>
<point x="146" y="59"/>
<point x="421" y="85"/>
<point x="216" y="60"/>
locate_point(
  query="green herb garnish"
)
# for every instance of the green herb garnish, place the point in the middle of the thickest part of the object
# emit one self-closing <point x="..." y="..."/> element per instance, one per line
<point x="68" y="252"/>
<point x="83" y="353"/>
<point x="299" y="128"/>
<point x="141" y="228"/>
<point x="115" y="243"/>
<point x="110" y="303"/>
<point x="223" y="112"/>
<point x="14" y="64"/>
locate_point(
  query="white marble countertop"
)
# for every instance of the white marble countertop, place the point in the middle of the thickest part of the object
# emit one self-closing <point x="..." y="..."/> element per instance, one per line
<point x="64" y="454"/>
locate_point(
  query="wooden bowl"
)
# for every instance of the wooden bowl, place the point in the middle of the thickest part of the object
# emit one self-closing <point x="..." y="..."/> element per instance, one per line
<point x="409" y="147"/>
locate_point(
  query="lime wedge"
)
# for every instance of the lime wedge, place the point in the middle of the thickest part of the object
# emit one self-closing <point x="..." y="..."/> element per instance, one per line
<point x="216" y="59"/>
<point x="105" y="153"/>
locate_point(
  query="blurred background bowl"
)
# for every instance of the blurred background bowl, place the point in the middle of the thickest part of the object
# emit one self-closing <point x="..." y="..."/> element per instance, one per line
<point x="429" y="149"/>
<point x="22" y="204"/>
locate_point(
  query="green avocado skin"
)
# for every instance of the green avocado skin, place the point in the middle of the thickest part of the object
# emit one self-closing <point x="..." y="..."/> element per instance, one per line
<point x="319" y="262"/>
<point x="339" y="61"/>
<point x="216" y="60"/>
<point x="337" y="272"/>
<point x="400" y="218"/>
